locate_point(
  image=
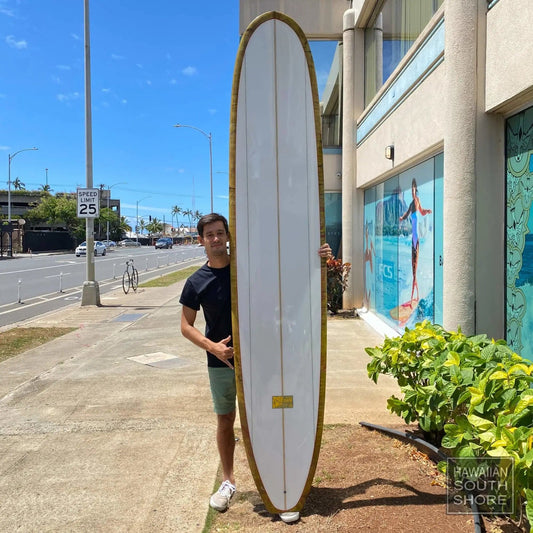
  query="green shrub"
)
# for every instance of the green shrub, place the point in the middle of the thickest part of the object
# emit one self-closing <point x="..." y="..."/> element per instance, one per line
<point x="470" y="395"/>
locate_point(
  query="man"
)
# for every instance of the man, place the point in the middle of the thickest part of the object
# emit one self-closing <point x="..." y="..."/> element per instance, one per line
<point x="210" y="288"/>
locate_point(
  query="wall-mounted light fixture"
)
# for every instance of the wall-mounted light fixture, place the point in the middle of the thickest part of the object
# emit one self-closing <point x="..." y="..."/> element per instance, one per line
<point x="389" y="152"/>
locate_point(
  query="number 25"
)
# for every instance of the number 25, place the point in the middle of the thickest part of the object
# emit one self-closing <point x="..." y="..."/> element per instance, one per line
<point x="88" y="209"/>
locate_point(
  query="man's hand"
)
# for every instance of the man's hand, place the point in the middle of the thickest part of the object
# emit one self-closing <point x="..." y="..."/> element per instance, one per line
<point x="219" y="349"/>
<point x="325" y="251"/>
<point x="222" y="351"/>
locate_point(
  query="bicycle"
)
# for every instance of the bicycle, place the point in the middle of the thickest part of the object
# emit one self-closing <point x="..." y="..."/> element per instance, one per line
<point x="130" y="278"/>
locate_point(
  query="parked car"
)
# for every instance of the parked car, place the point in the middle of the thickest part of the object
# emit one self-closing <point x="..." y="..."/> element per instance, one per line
<point x="163" y="242"/>
<point x="110" y="245"/>
<point x="99" y="248"/>
<point x="129" y="242"/>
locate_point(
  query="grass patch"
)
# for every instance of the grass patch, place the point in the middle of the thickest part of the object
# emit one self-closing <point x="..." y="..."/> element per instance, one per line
<point x="211" y="513"/>
<point x="18" y="340"/>
<point x="169" y="279"/>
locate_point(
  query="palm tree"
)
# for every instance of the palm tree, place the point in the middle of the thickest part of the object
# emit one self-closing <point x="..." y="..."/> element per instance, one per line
<point x="18" y="185"/>
<point x="156" y="226"/>
<point x="197" y="215"/>
<point x="45" y="188"/>
<point x="176" y="210"/>
<point x="123" y="225"/>
<point x="142" y="225"/>
<point x="188" y="213"/>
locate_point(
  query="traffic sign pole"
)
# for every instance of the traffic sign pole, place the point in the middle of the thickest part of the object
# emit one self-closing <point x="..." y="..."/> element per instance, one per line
<point x="91" y="291"/>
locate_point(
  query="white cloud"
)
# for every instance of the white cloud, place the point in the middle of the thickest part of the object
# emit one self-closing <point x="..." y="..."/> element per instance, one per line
<point x="75" y="36"/>
<point x="148" y="82"/>
<point x="117" y="57"/>
<point x="6" y="10"/>
<point x="6" y="148"/>
<point x="68" y="97"/>
<point x="212" y="111"/>
<point x="124" y="101"/>
<point x="139" y="65"/>
<point x="190" y="71"/>
<point x="173" y="81"/>
<point x="19" y="45"/>
<point x="106" y="90"/>
<point x="63" y="67"/>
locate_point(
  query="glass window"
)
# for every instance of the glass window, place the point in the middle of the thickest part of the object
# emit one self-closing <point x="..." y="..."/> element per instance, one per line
<point x="333" y="216"/>
<point x="393" y="28"/>
<point x="327" y="56"/>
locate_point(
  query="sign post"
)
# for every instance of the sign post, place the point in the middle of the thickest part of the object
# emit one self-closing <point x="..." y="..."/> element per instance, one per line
<point x="91" y="204"/>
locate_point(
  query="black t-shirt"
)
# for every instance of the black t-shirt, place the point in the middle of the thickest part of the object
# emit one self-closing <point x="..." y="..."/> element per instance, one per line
<point x="210" y="289"/>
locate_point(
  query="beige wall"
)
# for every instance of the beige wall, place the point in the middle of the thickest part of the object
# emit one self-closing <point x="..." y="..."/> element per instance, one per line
<point x="319" y="19"/>
<point x="332" y="172"/>
<point x="509" y="82"/>
<point x="415" y="129"/>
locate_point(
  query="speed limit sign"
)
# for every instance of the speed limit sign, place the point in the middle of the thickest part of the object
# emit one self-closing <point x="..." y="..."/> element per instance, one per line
<point x="88" y="203"/>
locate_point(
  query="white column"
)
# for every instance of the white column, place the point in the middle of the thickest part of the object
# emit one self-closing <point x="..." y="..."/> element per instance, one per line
<point x="461" y="103"/>
<point x="352" y="199"/>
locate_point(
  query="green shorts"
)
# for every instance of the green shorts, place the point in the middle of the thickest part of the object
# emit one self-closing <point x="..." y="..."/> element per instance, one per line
<point x="223" y="390"/>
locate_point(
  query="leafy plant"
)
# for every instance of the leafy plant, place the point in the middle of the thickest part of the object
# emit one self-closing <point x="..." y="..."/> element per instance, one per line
<point x="337" y="282"/>
<point x="470" y="395"/>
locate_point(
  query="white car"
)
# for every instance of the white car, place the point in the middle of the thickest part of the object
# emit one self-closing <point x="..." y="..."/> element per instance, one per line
<point x="99" y="248"/>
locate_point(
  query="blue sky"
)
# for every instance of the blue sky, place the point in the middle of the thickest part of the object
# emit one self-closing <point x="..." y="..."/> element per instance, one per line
<point x="152" y="65"/>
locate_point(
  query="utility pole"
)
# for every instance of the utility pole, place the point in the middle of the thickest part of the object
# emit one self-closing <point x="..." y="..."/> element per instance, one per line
<point x="91" y="290"/>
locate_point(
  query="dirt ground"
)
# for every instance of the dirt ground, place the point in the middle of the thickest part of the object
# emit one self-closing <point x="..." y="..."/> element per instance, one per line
<point x="364" y="481"/>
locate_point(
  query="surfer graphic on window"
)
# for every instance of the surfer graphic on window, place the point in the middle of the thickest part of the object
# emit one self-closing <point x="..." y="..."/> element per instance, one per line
<point x="412" y="211"/>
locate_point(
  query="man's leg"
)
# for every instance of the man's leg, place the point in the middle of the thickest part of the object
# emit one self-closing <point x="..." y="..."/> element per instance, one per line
<point x="222" y="382"/>
<point x="226" y="444"/>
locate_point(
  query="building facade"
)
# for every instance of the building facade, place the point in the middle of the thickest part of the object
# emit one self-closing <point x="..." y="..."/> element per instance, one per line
<point x="434" y="172"/>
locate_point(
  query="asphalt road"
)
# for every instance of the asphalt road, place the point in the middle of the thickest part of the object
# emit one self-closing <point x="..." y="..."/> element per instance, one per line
<point x="39" y="283"/>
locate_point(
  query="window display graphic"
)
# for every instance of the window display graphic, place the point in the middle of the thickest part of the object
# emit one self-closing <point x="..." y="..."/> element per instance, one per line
<point x="519" y="234"/>
<point x="399" y="247"/>
<point x="413" y="213"/>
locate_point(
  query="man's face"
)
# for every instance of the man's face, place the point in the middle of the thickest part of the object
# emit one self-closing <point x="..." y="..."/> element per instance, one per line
<point x="214" y="239"/>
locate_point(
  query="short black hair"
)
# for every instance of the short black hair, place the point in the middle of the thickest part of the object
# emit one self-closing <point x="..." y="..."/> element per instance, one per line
<point x="209" y="219"/>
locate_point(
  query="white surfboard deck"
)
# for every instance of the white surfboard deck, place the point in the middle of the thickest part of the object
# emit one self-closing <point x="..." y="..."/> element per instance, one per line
<point x="278" y="279"/>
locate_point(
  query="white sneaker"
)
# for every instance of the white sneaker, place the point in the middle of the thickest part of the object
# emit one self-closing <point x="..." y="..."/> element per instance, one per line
<point x="220" y="500"/>
<point x="289" y="517"/>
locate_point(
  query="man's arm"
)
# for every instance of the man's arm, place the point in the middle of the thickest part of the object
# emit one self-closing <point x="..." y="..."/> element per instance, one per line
<point x="218" y="349"/>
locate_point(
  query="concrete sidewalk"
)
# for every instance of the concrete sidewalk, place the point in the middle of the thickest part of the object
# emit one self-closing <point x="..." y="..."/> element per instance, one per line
<point x="110" y="428"/>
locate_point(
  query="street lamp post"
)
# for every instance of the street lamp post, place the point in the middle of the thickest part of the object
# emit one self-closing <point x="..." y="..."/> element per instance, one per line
<point x="109" y="187"/>
<point x="210" y="138"/>
<point x="11" y="156"/>
<point x="137" y="224"/>
<point x="91" y="290"/>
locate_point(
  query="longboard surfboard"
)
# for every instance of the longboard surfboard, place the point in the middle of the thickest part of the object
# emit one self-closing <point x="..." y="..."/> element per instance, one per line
<point x="278" y="279"/>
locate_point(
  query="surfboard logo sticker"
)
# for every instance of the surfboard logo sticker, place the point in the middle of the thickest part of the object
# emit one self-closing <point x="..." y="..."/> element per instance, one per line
<point x="278" y="281"/>
<point x="282" y="402"/>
